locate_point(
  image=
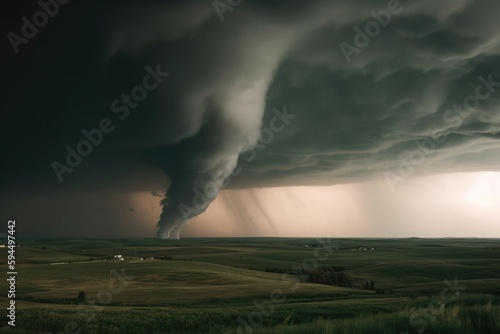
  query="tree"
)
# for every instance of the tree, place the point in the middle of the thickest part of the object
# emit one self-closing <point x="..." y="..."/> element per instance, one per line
<point x="81" y="296"/>
<point x="372" y="285"/>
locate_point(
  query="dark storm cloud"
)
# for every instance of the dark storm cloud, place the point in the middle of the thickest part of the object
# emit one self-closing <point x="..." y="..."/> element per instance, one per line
<point x="355" y="119"/>
<point x="362" y="119"/>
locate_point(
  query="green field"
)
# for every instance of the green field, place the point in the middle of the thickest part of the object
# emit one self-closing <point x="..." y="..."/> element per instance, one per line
<point x="226" y="286"/>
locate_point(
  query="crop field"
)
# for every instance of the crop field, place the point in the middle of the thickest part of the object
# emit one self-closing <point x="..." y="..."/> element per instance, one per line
<point x="255" y="285"/>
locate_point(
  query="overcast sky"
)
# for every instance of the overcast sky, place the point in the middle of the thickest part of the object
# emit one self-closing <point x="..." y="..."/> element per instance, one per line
<point x="248" y="118"/>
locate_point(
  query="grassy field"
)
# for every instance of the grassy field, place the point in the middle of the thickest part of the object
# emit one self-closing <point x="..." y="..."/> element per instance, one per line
<point x="226" y="286"/>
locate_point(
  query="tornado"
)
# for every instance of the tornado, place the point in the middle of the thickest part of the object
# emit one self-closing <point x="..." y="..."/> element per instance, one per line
<point x="185" y="200"/>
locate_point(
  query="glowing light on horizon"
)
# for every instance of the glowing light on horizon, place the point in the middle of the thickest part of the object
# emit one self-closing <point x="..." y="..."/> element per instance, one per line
<point x="485" y="191"/>
<point x="448" y="205"/>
